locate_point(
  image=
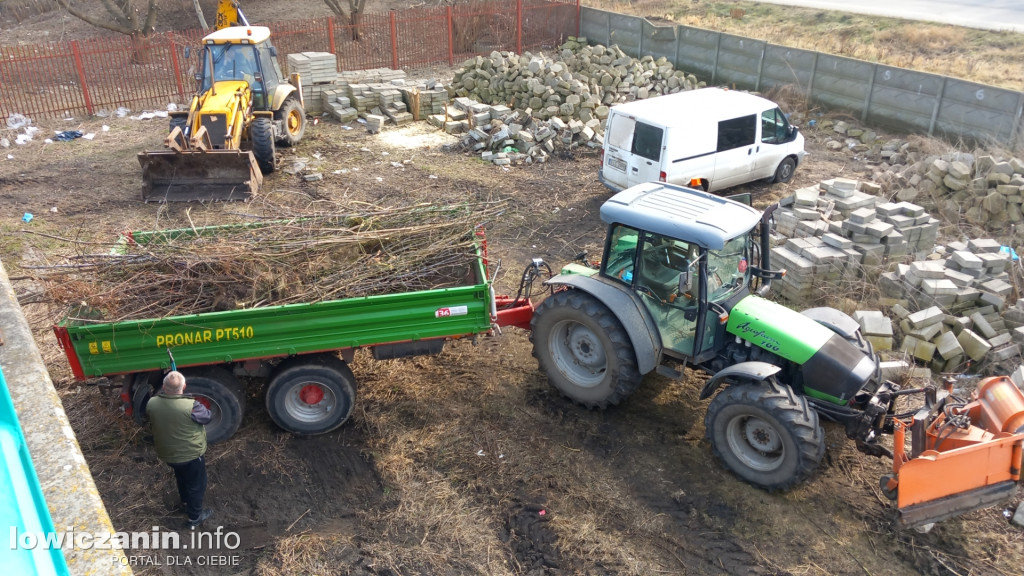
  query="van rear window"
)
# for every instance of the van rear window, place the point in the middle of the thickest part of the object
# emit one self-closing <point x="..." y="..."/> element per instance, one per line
<point x="647" y="141"/>
<point x="620" y="131"/>
<point x="737" y="132"/>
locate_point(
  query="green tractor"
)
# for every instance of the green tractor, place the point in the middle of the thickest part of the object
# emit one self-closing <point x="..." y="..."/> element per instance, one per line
<point x="674" y="289"/>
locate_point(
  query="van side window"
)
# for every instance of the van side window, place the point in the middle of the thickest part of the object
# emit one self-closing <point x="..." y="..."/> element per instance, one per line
<point x="647" y="141"/>
<point x="774" y="127"/>
<point x="737" y="132"/>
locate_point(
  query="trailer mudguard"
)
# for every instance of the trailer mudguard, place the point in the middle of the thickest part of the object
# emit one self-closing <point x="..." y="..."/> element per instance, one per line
<point x="753" y="371"/>
<point x="642" y="331"/>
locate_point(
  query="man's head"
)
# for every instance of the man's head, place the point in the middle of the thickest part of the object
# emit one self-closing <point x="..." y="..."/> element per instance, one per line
<point x="174" y="383"/>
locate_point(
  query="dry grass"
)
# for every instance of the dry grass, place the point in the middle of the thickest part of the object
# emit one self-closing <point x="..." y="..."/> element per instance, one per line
<point x="987" y="57"/>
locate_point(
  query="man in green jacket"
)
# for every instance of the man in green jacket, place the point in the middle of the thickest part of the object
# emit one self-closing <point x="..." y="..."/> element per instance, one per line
<point x="179" y="433"/>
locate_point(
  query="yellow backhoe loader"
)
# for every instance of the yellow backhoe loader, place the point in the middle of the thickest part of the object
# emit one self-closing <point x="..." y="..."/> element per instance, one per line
<point x="223" y="145"/>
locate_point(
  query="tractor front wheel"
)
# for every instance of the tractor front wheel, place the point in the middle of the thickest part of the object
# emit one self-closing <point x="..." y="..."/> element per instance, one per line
<point x="765" y="434"/>
<point x="293" y="122"/>
<point x="583" y="349"/>
<point x="262" y="133"/>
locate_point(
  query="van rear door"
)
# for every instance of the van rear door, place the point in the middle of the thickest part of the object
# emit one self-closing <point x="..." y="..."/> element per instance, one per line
<point x="645" y="160"/>
<point x="735" y="154"/>
<point x="632" y="152"/>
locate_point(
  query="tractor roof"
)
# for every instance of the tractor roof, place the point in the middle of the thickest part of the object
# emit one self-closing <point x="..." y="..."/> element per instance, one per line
<point x="682" y="213"/>
<point x="238" y="35"/>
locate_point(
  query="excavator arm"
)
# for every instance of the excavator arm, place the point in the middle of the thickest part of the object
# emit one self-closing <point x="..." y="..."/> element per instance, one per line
<point x="229" y="13"/>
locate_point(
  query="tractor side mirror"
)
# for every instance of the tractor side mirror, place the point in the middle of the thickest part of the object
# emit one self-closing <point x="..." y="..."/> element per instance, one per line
<point x="273" y="51"/>
<point x="188" y="51"/>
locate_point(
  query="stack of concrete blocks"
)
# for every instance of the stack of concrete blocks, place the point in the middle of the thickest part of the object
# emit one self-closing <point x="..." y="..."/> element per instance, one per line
<point x="579" y="84"/>
<point x="432" y="97"/>
<point x="372" y="76"/>
<point x="843" y="215"/>
<point x="361" y="97"/>
<point x="318" y="71"/>
<point x="391" y="104"/>
<point x="876" y="328"/>
<point x="504" y="136"/>
<point x="813" y="265"/>
<point x="968" y="284"/>
<point x="339" y="105"/>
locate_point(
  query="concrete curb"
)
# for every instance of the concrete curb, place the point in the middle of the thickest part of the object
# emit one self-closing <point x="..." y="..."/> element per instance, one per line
<point x="67" y="483"/>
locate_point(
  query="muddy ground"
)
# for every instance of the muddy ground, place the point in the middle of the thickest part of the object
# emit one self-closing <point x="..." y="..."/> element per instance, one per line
<point x="468" y="462"/>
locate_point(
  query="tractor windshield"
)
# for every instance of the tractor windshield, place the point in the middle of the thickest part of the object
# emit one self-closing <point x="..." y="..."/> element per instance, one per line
<point x="728" y="269"/>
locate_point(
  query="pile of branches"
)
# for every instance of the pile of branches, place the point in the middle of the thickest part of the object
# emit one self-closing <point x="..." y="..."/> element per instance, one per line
<point x="300" y="260"/>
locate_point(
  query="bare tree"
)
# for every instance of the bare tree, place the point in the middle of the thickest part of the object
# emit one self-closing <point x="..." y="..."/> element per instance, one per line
<point x="355" y="9"/>
<point x="199" y="14"/>
<point x="125" y="16"/>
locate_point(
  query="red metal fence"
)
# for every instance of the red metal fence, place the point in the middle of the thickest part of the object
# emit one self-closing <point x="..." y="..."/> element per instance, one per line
<point x="81" y="77"/>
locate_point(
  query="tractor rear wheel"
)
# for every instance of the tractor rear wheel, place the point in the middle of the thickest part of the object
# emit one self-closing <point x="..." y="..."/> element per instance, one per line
<point x="311" y="394"/>
<point x="583" y="349"/>
<point x="219" y="390"/>
<point x="262" y="133"/>
<point x="766" y="434"/>
<point x="293" y="122"/>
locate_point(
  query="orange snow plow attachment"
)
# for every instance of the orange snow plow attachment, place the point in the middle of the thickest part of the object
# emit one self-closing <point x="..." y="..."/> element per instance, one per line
<point x="963" y="456"/>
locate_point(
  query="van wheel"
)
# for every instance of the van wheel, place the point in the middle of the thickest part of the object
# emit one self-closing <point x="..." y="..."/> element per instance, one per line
<point x="784" y="173"/>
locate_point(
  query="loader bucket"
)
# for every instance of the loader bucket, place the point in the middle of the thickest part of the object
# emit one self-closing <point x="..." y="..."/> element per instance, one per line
<point x="189" y="176"/>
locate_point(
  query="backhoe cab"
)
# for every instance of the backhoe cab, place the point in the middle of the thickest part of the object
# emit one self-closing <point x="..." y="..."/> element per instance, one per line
<point x="223" y="145"/>
<point x="674" y="289"/>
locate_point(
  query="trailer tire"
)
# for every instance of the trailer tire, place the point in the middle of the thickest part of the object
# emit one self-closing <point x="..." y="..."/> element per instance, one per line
<point x="293" y="122"/>
<point x="583" y="349"/>
<point x="144" y="385"/>
<point x="311" y="394"/>
<point x="219" y="390"/>
<point x="765" y="434"/>
<point x="262" y="134"/>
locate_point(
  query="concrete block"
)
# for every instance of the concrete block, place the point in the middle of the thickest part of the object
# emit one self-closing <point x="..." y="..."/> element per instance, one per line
<point x="974" y="346"/>
<point x="878" y="229"/>
<point x="880" y="343"/>
<point x="928" y="316"/>
<point x="836" y="241"/>
<point x="981" y="325"/>
<point x="925" y="332"/>
<point x="892" y="369"/>
<point x="1000" y="339"/>
<point x="923" y="351"/>
<point x="863" y="215"/>
<point x="983" y="245"/>
<point x="928" y="269"/>
<point x="1005" y="353"/>
<point x="998" y="287"/>
<point x="948" y="346"/>
<point x="941" y="287"/>
<point x="966" y="260"/>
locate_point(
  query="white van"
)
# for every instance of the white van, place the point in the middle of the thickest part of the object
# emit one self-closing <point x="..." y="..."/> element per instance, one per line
<point x="709" y="138"/>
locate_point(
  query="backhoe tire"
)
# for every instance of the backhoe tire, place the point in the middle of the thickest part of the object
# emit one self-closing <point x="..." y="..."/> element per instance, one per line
<point x="262" y="133"/>
<point x="219" y="390"/>
<point x="765" y="434"/>
<point x="311" y="394"/>
<point x="583" y="349"/>
<point x="293" y="122"/>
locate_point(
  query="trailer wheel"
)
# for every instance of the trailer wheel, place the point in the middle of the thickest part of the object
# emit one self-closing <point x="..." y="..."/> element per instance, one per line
<point x="784" y="173"/>
<point x="293" y="122"/>
<point x="583" y="349"/>
<point x="219" y="390"/>
<point x="765" y="434"/>
<point x="311" y="395"/>
<point x="144" y="385"/>
<point x="262" y="133"/>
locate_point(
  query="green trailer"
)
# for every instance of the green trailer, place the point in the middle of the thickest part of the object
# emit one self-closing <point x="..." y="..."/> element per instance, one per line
<point x="303" y="350"/>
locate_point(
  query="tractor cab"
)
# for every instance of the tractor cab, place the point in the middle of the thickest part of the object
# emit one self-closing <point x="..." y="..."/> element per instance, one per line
<point x="687" y="256"/>
<point x="242" y="53"/>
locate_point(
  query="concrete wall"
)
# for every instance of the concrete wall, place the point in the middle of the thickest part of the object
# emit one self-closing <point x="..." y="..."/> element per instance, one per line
<point x="878" y="94"/>
<point x="67" y="484"/>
